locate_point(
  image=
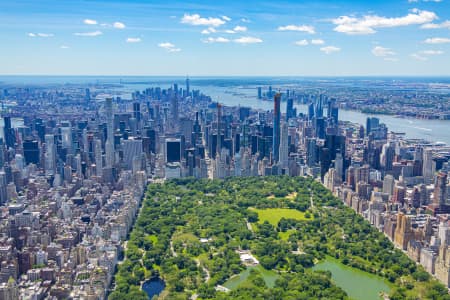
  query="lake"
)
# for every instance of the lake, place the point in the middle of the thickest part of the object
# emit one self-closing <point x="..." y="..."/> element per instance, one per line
<point x="359" y="285"/>
<point x="153" y="287"/>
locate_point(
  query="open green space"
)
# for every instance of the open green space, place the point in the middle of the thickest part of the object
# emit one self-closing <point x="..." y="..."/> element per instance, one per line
<point x="190" y="232"/>
<point x="268" y="276"/>
<point x="358" y="284"/>
<point x="274" y="215"/>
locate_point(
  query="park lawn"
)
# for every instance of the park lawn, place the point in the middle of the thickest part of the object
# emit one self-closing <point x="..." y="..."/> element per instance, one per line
<point x="274" y="215"/>
<point x="285" y="235"/>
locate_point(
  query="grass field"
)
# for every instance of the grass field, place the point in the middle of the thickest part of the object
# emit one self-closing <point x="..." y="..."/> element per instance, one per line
<point x="274" y="215"/>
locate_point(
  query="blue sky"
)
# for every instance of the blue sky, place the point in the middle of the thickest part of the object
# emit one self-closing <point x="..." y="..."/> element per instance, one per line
<point x="305" y="38"/>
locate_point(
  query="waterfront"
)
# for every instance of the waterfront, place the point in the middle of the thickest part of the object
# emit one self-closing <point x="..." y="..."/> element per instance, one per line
<point x="242" y="91"/>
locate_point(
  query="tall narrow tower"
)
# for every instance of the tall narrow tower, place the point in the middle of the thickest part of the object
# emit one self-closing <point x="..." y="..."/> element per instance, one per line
<point x="276" y="127"/>
<point x="188" y="91"/>
<point x="109" y="145"/>
<point x="219" y="132"/>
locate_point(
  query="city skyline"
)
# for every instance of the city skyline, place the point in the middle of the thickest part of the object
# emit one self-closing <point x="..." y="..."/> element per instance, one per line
<point x="287" y="38"/>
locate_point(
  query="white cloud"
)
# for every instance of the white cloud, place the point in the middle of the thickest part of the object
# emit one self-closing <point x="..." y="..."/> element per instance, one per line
<point x="245" y="20"/>
<point x="92" y="33"/>
<point x="230" y="31"/>
<point x="133" y="40"/>
<point x="196" y="20"/>
<point x="437" y="40"/>
<point x="302" y="28"/>
<point x="431" y="52"/>
<point x="240" y="28"/>
<point x="368" y="24"/>
<point x="382" y="51"/>
<point x="169" y="47"/>
<point x="219" y="39"/>
<point x="248" y="40"/>
<point x="226" y="18"/>
<point x="302" y="43"/>
<point x="64" y="47"/>
<point x="43" y="35"/>
<point x="90" y="22"/>
<point x="445" y="24"/>
<point x="330" y="49"/>
<point x="317" y="42"/>
<point x="119" y="25"/>
<point x="418" y="57"/>
<point x="209" y="30"/>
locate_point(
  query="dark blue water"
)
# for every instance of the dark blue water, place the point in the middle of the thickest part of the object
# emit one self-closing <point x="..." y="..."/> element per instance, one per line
<point x="153" y="287"/>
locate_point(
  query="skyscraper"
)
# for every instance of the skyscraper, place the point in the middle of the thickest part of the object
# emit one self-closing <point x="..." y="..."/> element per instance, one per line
<point x="50" y="154"/>
<point x="188" y="90"/>
<point x="440" y="189"/>
<point x="276" y="127"/>
<point x="284" y="149"/>
<point x="219" y="131"/>
<point x="109" y="145"/>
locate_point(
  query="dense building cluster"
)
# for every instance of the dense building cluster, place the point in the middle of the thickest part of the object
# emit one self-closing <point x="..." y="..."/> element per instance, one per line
<point x="75" y="163"/>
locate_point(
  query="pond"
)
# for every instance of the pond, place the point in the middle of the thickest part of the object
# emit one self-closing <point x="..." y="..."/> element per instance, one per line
<point x="358" y="284"/>
<point x="153" y="287"/>
<point x="268" y="276"/>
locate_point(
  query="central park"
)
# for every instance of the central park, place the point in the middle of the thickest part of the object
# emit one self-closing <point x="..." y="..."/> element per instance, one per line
<point x="271" y="237"/>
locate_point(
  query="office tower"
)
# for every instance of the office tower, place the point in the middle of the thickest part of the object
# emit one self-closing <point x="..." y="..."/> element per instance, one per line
<point x="311" y="152"/>
<point x="334" y="114"/>
<point x="10" y="138"/>
<point x="188" y="88"/>
<point x="259" y="92"/>
<point x="320" y="127"/>
<point x="440" y="189"/>
<point x="387" y="156"/>
<point x="31" y="151"/>
<point x="174" y="109"/>
<point x="219" y="131"/>
<point x="284" y="149"/>
<point x="372" y="124"/>
<point x="87" y="96"/>
<point x="109" y="145"/>
<point x="98" y="158"/>
<point x="310" y="111"/>
<point x="137" y="111"/>
<point x="339" y="166"/>
<point x="50" y="154"/>
<point x="173" y="150"/>
<point x="290" y="111"/>
<point x="325" y="161"/>
<point x="276" y="127"/>
<point x="388" y="184"/>
<point x="3" y="185"/>
<point x="131" y="148"/>
<point x="428" y="166"/>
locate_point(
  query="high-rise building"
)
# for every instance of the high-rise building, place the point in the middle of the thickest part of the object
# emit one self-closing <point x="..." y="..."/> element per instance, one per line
<point x="131" y="148"/>
<point x="372" y="124"/>
<point x="188" y="88"/>
<point x="50" y="154"/>
<point x="109" y="145"/>
<point x="98" y="158"/>
<point x="31" y="151"/>
<point x="173" y="150"/>
<point x="259" y="92"/>
<point x="440" y="189"/>
<point x="428" y="166"/>
<point x="276" y="127"/>
<point x="284" y="147"/>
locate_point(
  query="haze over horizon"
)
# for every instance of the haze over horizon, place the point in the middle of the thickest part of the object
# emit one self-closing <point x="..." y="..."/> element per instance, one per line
<point x="135" y="38"/>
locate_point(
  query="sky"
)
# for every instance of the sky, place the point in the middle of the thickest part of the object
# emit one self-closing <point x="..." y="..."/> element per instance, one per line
<point x="225" y="38"/>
